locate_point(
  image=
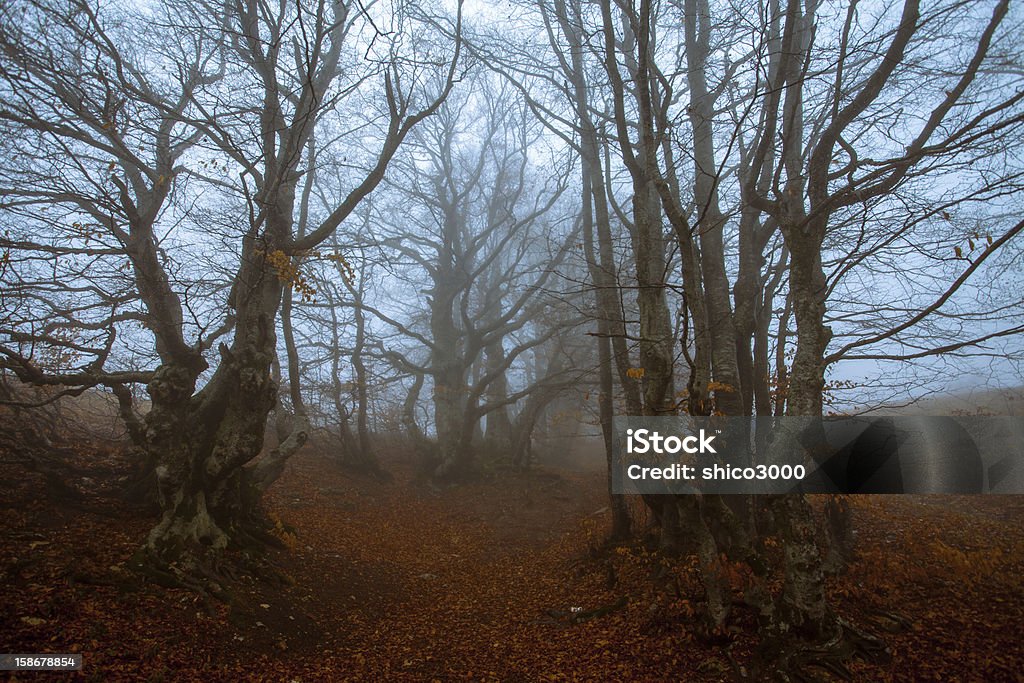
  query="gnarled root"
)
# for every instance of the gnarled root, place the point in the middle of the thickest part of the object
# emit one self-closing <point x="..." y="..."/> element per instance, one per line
<point x="205" y="552"/>
<point x="803" y="662"/>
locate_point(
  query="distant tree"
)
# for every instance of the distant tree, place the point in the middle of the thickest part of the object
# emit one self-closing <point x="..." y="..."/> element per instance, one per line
<point x="489" y="242"/>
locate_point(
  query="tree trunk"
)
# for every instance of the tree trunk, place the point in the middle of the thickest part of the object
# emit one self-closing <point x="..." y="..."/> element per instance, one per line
<point x="621" y="522"/>
<point x="710" y="222"/>
<point x="209" y="499"/>
<point x="271" y="465"/>
<point x="499" y="426"/>
<point x="365" y="455"/>
<point x="656" y="354"/>
<point x="807" y="287"/>
<point x="450" y="421"/>
<point x="203" y="441"/>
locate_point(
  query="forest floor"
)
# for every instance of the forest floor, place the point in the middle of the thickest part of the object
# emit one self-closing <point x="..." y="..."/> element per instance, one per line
<point x="501" y="579"/>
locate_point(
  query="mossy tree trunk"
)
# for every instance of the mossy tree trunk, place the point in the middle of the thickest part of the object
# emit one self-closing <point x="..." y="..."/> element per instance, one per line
<point x="203" y="441"/>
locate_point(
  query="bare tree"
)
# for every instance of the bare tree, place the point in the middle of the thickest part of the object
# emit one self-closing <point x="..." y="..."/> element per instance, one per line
<point x="252" y="87"/>
<point x="481" y="242"/>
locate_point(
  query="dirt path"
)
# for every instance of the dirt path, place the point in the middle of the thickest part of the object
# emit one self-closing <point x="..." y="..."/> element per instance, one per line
<point x="429" y="584"/>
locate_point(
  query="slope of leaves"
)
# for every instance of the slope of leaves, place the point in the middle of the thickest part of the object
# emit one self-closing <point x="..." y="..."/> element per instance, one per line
<point x="502" y="579"/>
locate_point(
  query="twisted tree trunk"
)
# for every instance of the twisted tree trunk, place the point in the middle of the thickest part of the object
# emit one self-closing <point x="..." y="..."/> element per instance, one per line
<point x="202" y="441"/>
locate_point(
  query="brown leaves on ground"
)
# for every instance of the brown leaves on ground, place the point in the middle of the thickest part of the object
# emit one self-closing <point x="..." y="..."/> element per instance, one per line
<point x="494" y="580"/>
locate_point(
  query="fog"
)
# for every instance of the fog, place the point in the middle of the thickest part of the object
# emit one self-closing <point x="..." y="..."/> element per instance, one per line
<point x="469" y="235"/>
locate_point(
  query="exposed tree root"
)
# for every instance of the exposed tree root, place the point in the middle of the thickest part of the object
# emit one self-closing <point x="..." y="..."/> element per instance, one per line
<point x="193" y="579"/>
<point x="207" y="569"/>
<point x="802" y="662"/>
<point x="890" y="621"/>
